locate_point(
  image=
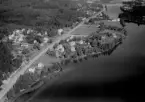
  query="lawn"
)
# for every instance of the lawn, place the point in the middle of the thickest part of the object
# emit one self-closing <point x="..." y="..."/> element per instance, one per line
<point x="46" y="60"/>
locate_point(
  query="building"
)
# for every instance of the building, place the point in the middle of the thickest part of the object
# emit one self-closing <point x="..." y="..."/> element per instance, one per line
<point x="116" y="20"/>
<point x="29" y="31"/>
<point x="35" y="42"/>
<point x="72" y="43"/>
<point x="40" y="65"/>
<point x="45" y="39"/>
<point x="45" y="33"/>
<point x="60" y="48"/>
<point x="60" y="31"/>
<point x="16" y="36"/>
<point x="25" y="45"/>
<point x="31" y="70"/>
<point x="70" y="38"/>
<point x="114" y="35"/>
<point x="73" y="49"/>
<point x="81" y="42"/>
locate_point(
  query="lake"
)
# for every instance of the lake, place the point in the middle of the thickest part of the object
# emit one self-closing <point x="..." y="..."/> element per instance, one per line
<point x="115" y="78"/>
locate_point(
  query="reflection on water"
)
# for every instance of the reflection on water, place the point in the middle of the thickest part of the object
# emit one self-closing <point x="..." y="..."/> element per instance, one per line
<point x="135" y="15"/>
<point x="115" y="78"/>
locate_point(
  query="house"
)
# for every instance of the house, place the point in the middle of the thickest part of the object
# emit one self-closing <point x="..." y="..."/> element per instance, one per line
<point x="60" y="48"/>
<point x="25" y="45"/>
<point x="23" y="30"/>
<point x="81" y="42"/>
<point x="60" y="31"/>
<point x="17" y="31"/>
<point x="73" y="49"/>
<point x="45" y="33"/>
<point x="39" y="34"/>
<point x="71" y="37"/>
<point x="17" y="36"/>
<point x="57" y="54"/>
<point x="40" y="65"/>
<point x="11" y="37"/>
<point x="35" y="42"/>
<point x="72" y="43"/>
<point x="114" y="35"/>
<point x="21" y="38"/>
<point x="116" y="20"/>
<point x="32" y="70"/>
<point x="29" y="31"/>
<point x="45" y="39"/>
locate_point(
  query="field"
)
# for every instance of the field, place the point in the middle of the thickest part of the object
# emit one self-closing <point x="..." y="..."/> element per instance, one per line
<point x="112" y="23"/>
<point x="85" y="30"/>
<point x="111" y="11"/>
<point x="46" y="60"/>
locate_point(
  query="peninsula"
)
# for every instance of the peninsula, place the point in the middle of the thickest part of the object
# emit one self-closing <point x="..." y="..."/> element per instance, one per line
<point x="40" y="53"/>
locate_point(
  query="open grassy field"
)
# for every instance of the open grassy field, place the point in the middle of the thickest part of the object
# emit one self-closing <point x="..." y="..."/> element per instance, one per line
<point x="111" y="11"/>
<point x="112" y="23"/>
<point x="47" y="60"/>
<point x="85" y="30"/>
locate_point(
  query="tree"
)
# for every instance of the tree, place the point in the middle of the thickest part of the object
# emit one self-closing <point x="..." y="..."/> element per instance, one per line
<point x="5" y="58"/>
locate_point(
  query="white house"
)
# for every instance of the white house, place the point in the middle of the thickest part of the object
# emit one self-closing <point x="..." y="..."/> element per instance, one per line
<point x="81" y="42"/>
<point x="116" y="20"/>
<point x="72" y="43"/>
<point x="114" y="35"/>
<point x="29" y="31"/>
<point x="45" y="39"/>
<point x="39" y="34"/>
<point x="25" y="45"/>
<point x="35" y="41"/>
<point x="60" y="48"/>
<point x="32" y="70"/>
<point x="23" y="30"/>
<point x="40" y="65"/>
<point x="73" y="49"/>
<point x="71" y="37"/>
<point x="60" y="31"/>
<point x="11" y="37"/>
<point x="45" y="33"/>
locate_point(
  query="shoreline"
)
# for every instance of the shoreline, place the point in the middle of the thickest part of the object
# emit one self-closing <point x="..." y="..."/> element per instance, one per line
<point x="44" y="82"/>
<point x="52" y="79"/>
<point x="50" y="76"/>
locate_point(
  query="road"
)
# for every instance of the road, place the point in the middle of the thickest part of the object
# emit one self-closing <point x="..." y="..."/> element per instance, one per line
<point x="13" y="79"/>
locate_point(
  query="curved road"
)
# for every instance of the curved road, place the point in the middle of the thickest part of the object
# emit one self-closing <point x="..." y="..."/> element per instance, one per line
<point x="13" y="79"/>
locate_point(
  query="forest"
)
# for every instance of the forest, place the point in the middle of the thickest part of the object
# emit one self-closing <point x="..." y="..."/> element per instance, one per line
<point x="135" y="13"/>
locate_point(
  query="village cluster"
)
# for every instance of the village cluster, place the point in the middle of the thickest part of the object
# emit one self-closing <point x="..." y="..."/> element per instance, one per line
<point x="79" y="46"/>
<point x="28" y="40"/>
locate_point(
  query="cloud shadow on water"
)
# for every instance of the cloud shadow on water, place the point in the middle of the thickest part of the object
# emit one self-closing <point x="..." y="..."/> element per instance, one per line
<point x="129" y="88"/>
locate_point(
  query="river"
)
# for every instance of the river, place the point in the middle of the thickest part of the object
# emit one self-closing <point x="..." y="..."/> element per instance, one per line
<point x="115" y="78"/>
